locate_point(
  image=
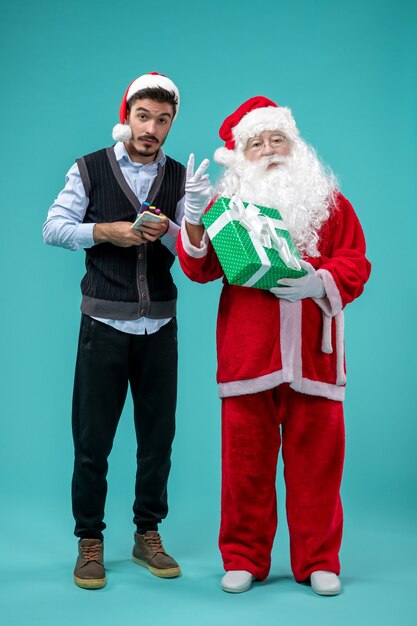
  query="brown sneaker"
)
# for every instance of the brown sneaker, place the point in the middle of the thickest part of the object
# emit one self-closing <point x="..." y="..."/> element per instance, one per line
<point x="89" y="569"/>
<point x="149" y="552"/>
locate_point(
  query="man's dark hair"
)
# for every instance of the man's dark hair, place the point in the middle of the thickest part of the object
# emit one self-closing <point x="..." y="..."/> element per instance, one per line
<point x="154" y="93"/>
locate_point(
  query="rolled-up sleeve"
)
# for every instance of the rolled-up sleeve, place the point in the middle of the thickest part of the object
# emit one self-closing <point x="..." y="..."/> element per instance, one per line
<point x="64" y="225"/>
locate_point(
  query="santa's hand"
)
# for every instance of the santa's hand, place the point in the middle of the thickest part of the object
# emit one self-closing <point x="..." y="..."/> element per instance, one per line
<point x="308" y="286"/>
<point x="198" y="191"/>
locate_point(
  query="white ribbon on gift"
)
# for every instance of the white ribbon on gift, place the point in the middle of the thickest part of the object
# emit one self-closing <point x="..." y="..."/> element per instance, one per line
<point x="261" y="230"/>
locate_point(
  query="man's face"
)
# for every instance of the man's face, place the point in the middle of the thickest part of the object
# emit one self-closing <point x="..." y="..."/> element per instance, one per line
<point x="150" y="122"/>
<point x="267" y="144"/>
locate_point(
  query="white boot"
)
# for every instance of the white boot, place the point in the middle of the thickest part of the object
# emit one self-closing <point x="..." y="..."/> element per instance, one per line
<point x="237" y="581"/>
<point x="325" y="583"/>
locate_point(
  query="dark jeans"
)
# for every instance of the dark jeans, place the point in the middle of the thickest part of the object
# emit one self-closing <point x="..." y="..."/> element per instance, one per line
<point x="107" y="361"/>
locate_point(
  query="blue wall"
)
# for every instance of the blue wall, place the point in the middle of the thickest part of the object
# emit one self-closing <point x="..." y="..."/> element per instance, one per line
<point x="348" y="72"/>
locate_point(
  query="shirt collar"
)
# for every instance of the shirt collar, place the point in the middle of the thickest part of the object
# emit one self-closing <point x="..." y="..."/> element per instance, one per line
<point x="121" y="153"/>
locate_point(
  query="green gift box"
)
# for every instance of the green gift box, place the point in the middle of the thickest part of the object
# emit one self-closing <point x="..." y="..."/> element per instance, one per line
<point x="252" y="243"/>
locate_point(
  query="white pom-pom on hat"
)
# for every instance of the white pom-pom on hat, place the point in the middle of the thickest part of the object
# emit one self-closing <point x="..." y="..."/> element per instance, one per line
<point x="225" y="157"/>
<point x="121" y="132"/>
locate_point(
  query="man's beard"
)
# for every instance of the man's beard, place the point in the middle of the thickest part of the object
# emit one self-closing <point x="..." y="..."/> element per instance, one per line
<point x="299" y="187"/>
<point x="148" y="151"/>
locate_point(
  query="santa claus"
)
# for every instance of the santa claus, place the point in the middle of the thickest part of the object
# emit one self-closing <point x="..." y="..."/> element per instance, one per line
<point x="281" y="365"/>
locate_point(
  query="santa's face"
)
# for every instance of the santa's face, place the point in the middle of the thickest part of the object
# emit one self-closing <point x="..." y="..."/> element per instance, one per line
<point x="150" y="122"/>
<point x="267" y="144"/>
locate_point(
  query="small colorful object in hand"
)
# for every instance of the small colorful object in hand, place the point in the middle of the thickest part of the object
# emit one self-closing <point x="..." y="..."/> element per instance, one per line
<point x="147" y="213"/>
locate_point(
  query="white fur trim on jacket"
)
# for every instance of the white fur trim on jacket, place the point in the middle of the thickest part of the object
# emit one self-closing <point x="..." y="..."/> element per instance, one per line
<point x="193" y="251"/>
<point x="274" y="379"/>
<point x="253" y="385"/>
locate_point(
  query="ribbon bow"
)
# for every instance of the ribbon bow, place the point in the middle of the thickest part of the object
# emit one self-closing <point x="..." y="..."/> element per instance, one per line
<point x="262" y="228"/>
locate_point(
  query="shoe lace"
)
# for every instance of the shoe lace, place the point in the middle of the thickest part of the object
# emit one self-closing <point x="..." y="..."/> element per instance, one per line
<point x="155" y="542"/>
<point x="91" y="553"/>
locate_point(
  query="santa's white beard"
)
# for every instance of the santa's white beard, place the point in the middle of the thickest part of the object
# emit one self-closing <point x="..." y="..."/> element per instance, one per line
<point x="299" y="187"/>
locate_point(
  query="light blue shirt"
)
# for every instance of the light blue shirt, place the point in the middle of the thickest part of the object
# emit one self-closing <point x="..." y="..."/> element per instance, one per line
<point x="64" y="225"/>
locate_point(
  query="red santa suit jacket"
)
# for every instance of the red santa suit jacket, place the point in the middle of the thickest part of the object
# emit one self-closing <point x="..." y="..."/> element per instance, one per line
<point x="262" y="340"/>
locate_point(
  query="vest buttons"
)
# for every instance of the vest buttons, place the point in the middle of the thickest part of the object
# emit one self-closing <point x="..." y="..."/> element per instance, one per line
<point x="141" y="256"/>
<point x="144" y="296"/>
<point x="141" y="277"/>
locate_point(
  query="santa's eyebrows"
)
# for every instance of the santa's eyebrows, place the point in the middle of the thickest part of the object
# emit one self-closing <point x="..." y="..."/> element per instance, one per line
<point x="273" y="133"/>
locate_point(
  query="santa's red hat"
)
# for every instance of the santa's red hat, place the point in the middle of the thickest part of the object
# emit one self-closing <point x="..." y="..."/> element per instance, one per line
<point x="251" y="118"/>
<point x="122" y="132"/>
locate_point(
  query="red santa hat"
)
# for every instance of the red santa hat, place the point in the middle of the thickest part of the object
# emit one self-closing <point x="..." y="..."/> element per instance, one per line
<point x="122" y="132"/>
<point x="251" y="118"/>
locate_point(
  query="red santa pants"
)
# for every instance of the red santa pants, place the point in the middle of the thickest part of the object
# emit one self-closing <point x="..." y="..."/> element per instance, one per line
<point x="311" y="429"/>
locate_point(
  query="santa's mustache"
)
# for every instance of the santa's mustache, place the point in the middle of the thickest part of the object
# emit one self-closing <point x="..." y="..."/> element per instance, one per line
<point x="265" y="162"/>
<point x="274" y="158"/>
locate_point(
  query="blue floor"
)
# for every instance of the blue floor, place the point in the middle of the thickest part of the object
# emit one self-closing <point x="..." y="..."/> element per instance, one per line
<point x="379" y="578"/>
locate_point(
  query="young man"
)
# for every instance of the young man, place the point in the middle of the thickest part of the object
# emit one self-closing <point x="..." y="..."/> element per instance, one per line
<point x="281" y="368"/>
<point x="128" y="332"/>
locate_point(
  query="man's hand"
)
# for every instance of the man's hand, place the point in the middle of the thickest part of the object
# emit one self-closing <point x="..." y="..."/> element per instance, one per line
<point x="308" y="286"/>
<point x="119" y="234"/>
<point x="152" y="231"/>
<point x="198" y="191"/>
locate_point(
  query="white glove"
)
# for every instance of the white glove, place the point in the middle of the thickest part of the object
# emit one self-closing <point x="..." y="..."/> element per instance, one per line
<point x="308" y="286"/>
<point x="198" y="191"/>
